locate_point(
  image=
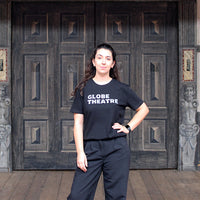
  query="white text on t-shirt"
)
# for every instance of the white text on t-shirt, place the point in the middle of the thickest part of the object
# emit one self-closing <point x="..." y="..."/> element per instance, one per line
<point x="101" y="99"/>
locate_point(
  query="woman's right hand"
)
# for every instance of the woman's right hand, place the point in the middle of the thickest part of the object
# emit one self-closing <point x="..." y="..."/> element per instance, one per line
<point x="82" y="161"/>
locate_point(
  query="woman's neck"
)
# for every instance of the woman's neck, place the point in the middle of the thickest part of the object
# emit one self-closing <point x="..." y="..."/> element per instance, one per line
<point x="101" y="80"/>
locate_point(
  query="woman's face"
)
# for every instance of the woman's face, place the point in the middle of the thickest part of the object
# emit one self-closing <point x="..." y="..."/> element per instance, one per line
<point x="103" y="61"/>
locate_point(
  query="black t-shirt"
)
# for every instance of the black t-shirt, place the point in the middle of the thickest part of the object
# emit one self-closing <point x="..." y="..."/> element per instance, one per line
<point x="102" y="106"/>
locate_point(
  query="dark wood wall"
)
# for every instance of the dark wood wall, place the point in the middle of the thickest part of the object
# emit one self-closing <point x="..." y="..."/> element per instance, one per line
<point x="3" y="24"/>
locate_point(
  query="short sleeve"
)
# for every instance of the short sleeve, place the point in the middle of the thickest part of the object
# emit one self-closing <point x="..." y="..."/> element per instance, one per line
<point x="133" y="101"/>
<point x="77" y="106"/>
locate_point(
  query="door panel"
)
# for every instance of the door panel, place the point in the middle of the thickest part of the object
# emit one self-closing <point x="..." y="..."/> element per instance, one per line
<point x="51" y="46"/>
<point x="145" y="38"/>
<point x="50" y="50"/>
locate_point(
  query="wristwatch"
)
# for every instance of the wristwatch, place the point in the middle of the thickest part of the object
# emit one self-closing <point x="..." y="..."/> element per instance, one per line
<point x="128" y="127"/>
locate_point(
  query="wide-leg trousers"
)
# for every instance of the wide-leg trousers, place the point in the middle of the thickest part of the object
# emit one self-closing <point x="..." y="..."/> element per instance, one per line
<point x="112" y="157"/>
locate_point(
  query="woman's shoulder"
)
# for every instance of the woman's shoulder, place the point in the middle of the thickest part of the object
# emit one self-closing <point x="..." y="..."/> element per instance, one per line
<point x="88" y="83"/>
<point x="120" y="84"/>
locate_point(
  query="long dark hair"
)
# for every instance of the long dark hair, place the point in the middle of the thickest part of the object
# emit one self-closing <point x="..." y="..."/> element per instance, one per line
<point x="91" y="70"/>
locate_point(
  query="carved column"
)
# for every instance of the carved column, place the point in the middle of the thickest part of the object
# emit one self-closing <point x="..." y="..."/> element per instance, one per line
<point x="188" y="129"/>
<point x="5" y="130"/>
<point x="198" y="74"/>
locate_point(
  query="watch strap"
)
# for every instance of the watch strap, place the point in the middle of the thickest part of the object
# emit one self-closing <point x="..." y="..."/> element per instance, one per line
<point x="128" y="127"/>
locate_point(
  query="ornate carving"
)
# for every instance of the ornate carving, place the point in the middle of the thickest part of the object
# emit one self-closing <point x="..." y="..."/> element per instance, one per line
<point x="5" y="128"/>
<point x="68" y="142"/>
<point x="155" y="68"/>
<point x="124" y="71"/>
<point x="36" y="81"/>
<point x="188" y="64"/>
<point x="3" y="65"/>
<point x="155" y="135"/>
<point x="155" y="28"/>
<point x="4" y="139"/>
<point x="4" y="106"/>
<point x="71" y="70"/>
<point x="35" y="135"/>
<point x="117" y="27"/>
<point x="188" y="128"/>
<point x="72" y="28"/>
<point x="35" y="28"/>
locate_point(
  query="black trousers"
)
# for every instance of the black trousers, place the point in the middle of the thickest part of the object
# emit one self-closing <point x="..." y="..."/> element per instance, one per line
<point x="112" y="157"/>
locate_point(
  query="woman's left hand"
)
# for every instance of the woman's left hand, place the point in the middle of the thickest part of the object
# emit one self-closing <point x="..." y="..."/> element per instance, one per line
<point x="120" y="127"/>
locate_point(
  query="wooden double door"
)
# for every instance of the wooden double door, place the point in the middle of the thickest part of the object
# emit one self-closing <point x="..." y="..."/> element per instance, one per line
<point x="51" y="44"/>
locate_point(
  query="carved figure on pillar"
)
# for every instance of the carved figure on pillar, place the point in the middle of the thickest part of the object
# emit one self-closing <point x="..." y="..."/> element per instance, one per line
<point x="5" y="128"/>
<point x="4" y="106"/>
<point x="188" y="128"/>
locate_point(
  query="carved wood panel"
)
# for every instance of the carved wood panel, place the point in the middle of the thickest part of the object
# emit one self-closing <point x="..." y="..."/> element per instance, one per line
<point x="154" y="135"/>
<point x="155" y="79"/>
<point x="67" y="135"/>
<point x="35" y="28"/>
<point x="35" y="80"/>
<point x="117" y="28"/>
<point x="71" y="73"/>
<point x="36" y="136"/>
<point x="73" y="29"/>
<point x="123" y="61"/>
<point x="154" y="27"/>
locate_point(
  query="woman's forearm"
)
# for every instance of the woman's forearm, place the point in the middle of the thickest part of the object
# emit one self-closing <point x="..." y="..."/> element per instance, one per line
<point x="141" y="113"/>
<point x="78" y="137"/>
<point x="78" y="132"/>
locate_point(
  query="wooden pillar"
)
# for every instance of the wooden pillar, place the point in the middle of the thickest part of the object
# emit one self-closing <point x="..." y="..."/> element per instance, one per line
<point x="198" y="51"/>
<point x="198" y="77"/>
<point x="188" y="103"/>
<point x="5" y="86"/>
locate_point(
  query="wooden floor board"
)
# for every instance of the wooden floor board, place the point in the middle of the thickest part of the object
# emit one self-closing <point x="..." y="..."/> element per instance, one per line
<point x="151" y="185"/>
<point x="138" y="186"/>
<point x="65" y="185"/>
<point x="192" y="184"/>
<point x="51" y="187"/>
<point x="142" y="185"/>
<point x="4" y="178"/>
<point x="37" y="185"/>
<point x="130" y="192"/>
<point x="23" y="186"/>
<point x="10" y="186"/>
<point x="176" y="180"/>
<point x="166" y="189"/>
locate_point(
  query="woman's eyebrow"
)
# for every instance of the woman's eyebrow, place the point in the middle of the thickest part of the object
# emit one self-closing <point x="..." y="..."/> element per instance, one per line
<point x="102" y="55"/>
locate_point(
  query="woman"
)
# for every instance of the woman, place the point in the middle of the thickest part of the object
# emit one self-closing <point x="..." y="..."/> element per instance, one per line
<point x="100" y="136"/>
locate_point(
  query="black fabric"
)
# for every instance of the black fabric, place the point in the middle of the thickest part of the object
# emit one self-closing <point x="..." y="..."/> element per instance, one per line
<point x="112" y="157"/>
<point x="102" y="106"/>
